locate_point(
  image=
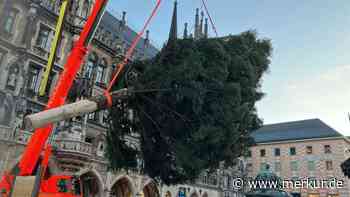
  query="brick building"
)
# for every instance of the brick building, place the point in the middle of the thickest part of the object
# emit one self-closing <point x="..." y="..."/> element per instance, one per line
<point x="301" y="150"/>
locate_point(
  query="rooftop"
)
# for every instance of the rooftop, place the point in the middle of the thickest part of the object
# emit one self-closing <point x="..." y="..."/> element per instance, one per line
<point x="113" y="25"/>
<point x="297" y="130"/>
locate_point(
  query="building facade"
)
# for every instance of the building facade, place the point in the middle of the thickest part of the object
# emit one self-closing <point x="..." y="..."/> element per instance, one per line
<point x="26" y="33"/>
<point x="300" y="151"/>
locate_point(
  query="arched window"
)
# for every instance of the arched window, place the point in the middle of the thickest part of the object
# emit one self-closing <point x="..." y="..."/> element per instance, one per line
<point x="91" y="63"/>
<point x="10" y="20"/>
<point x="85" y="9"/>
<point x="100" y="73"/>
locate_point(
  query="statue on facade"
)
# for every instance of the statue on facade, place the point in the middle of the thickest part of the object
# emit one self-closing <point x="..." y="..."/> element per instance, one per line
<point x="29" y="30"/>
<point x="6" y="109"/>
<point x="13" y="76"/>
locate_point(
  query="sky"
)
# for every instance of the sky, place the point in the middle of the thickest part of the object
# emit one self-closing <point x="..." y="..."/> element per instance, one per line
<point x="309" y="75"/>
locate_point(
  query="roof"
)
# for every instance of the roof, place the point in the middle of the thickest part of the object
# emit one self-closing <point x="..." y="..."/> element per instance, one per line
<point x="113" y="25"/>
<point x="297" y="130"/>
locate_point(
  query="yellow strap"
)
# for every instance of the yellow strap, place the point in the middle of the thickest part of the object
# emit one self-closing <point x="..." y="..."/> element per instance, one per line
<point x="54" y="47"/>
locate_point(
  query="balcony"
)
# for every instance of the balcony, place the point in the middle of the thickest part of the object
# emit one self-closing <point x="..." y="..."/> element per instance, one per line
<point x="74" y="146"/>
<point x="6" y="133"/>
<point x="20" y="136"/>
<point x="53" y="6"/>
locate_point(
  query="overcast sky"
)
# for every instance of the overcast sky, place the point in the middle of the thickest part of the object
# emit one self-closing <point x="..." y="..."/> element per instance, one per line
<point x="310" y="72"/>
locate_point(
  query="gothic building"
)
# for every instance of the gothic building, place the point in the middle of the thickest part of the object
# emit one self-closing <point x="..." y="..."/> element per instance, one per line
<point x="26" y="33"/>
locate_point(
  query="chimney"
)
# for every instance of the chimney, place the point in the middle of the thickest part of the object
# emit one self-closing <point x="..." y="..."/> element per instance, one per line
<point x="196" y="25"/>
<point x="186" y="31"/>
<point x="206" y="28"/>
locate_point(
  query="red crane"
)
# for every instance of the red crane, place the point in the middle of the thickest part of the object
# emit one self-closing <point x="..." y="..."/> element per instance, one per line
<point x="31" y="171"/>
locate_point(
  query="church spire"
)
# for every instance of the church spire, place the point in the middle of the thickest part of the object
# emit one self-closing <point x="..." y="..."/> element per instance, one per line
<point x="168" y="52"/>
<point x="173" y="29"/>
<point x="196" y="24"/>
<point x="206" y="28"/>
<point x="186" y="31"/>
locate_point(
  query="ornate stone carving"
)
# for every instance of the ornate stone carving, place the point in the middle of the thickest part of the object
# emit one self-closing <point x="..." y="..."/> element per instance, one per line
<point x="30" y="26"/>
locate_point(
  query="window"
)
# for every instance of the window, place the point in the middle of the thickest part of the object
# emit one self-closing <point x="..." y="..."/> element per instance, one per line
<point x="2" y="166"/>
<point x="100" y="149"/>
<point x="278" y="166"/>
<point x="105" y="117"/>
<point x="249" y="167"/>
<point x="85" y="10"/>
<point x="33" y="78"/>
<point x="262" y="153"/>
<point x="89" y="140"/>
<point x="90" y="65"/>
<point x="311" y="165"/>
<point x="101" y="71"/>
<point x="329" y="165"/>
<point x="60" y="47"/>
<point x="277" y="152"/>
<point x="228" y="181"/>
<point x="292" y="151"/>
<point x="51" y="83"/>
<point x="327" y="149"/>
<point x="313" y="195"/>
<point x="113" y="70"/>
<point x="2" y="55"/>
<point x="264" y="166"/>
<point x="213" y="180"/>
<point x="92" y="116"/>
<point x="333" y="195"/>
<point x="10" y="20"/>
<point x="45" y="37"/>
<point x="205" y="179"/>
<point x="309" y="150"/>
<point x="109" y="39"/>
<point x="294" y="166"/>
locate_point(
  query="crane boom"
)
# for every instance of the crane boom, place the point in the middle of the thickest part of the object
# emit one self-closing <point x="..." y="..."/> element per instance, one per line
<point x="72" y="110"/>
<point x="38" y="140"/>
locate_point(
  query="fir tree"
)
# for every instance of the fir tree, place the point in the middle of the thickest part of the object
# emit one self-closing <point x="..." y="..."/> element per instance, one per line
<point x="202" y="113"/>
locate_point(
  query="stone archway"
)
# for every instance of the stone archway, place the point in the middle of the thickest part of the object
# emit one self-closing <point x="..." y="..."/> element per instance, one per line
<point x="92" y="184"/>
<point x="122" y="187"/>
<point x="150" y="190"/>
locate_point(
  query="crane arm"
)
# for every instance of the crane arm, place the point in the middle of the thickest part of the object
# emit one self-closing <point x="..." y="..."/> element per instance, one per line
<point x="38" y="140"/>
<point x="68" y="111"/>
